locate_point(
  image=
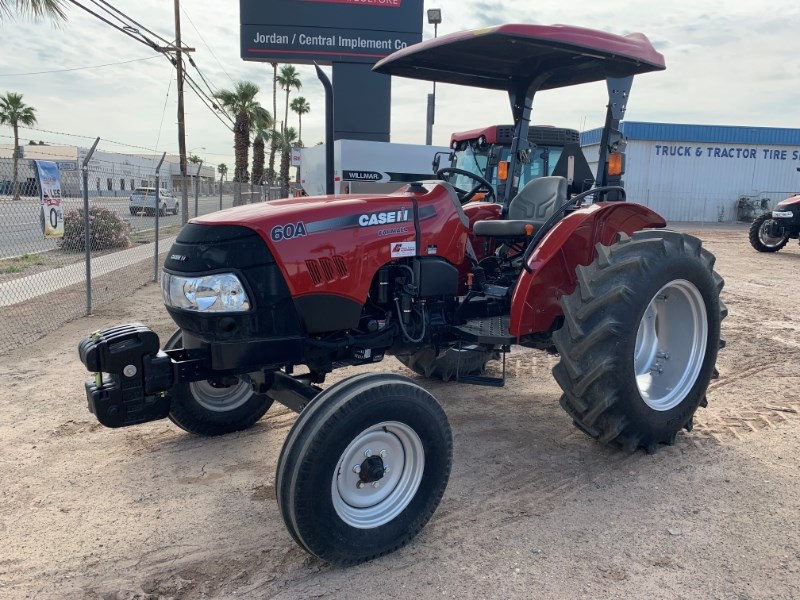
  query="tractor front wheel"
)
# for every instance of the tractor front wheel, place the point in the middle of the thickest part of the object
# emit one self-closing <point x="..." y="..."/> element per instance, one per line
<point x="444" y="365"/>
<point x="212" y="408"/>
<point x="761" y="237"/>
<point x="363" y="468"/>
<point x="640" y="339"/>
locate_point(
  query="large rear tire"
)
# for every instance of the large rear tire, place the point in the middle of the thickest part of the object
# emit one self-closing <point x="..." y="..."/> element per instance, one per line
<point x="469" y="360"/>
<point x="760" y="238"/>
<point x="363" y="468"/>
<point x="640" y="339"/>
<point x="209" y="409"/>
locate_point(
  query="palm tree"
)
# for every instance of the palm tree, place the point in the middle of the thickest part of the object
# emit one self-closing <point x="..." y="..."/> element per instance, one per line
<point x="35" y="9"/>
<point x="286" y="140"/>
<point x="301" y="106"/>
<point x="222" y="169"/>
<point x="272" y="146"/>
<point x="13" y="111"/>
<point x="263" y="132"/>
<point x="288" y="79"/>
<point x="241" y="102"/>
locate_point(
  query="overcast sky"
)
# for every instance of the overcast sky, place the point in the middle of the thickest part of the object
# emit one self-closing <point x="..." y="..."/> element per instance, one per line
<point x="728" y="62"/>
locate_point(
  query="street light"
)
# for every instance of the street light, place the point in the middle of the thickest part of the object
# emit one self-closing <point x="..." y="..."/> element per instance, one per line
<point x="434" y="18"/>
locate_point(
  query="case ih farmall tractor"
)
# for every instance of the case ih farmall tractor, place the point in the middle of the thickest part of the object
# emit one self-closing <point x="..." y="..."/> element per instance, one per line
<point x="270" y="298"/>
<point x="771" y="231"/>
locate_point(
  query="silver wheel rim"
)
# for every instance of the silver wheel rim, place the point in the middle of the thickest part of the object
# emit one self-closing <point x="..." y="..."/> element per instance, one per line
<point x="220" y="399"/>
<point x="766" y="239"/>
<point x="366" y="505"/>
<point x="670" y="345"/>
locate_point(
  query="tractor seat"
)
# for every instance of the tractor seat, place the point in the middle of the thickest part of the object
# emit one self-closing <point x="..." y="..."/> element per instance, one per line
<point x="532" y="205"/>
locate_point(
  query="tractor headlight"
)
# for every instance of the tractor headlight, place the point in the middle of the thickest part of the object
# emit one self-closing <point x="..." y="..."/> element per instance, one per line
<point x="221" y="292"/>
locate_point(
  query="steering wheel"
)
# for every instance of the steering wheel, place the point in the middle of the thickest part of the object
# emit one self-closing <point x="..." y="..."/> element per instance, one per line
<point x="465" y="196"/>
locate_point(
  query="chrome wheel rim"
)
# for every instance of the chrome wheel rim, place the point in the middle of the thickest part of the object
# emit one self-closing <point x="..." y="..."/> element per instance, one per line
<point x="670" y="345"/>
<point x="220" y="398"/>
<point x="768" y="240"/>
<point x="372" y="503"/>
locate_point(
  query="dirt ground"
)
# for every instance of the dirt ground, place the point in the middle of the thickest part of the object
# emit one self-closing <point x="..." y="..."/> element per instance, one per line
<point x="534" y="508"/>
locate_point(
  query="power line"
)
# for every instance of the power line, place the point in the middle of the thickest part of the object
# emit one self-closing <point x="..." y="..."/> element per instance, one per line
<point x="123" y="62"/>
<point x="164" y="111"/>
<point x="127" y="18"/>
<point x="133" y="32"/>
<point x="207" y="46"/>
<point x="129" y="31"/>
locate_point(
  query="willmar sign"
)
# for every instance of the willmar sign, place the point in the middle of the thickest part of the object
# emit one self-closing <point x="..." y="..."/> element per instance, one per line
<point x="327" y="31"/>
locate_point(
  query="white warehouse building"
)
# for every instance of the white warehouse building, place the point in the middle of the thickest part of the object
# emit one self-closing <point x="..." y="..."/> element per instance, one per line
<point x="706" y="173"/>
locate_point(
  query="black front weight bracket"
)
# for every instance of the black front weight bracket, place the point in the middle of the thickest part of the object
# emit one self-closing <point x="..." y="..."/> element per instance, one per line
<point x="132" y="374"/>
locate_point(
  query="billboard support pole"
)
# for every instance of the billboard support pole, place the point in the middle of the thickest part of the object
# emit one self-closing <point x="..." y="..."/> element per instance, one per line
<point x="326" y="83"/>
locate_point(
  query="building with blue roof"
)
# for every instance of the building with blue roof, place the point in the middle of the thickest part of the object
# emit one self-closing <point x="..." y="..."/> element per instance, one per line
<point x="706" y="173"/>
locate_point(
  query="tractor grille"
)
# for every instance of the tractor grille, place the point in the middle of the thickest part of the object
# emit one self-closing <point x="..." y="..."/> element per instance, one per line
<point x="326" y="270"/>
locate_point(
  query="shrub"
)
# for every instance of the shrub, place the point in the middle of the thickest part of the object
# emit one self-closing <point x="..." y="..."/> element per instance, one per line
<point x="107" y="230"/>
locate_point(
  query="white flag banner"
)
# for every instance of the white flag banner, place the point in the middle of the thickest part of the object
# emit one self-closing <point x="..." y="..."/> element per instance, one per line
<point x="52" y="214"/>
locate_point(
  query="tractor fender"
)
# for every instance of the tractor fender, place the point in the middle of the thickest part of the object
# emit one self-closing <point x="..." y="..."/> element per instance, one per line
<point x="535" y="303"/>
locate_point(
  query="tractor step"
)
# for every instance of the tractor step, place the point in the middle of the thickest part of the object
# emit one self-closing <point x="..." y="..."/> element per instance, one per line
<point x="483" y="379"/>
<point x="488" y="330"/>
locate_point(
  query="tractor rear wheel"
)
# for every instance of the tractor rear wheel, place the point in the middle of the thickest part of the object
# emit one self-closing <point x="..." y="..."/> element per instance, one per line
<point x="468" y="360"/>
<point x="640" y="339"/>
<point x="210" y="408"/>
<point x="760" y="237"/>
<point x="363" y="468"/>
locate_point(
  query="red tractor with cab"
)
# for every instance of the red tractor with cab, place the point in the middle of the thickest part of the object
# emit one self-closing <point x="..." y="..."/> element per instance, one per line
<point x="270" y="298"/>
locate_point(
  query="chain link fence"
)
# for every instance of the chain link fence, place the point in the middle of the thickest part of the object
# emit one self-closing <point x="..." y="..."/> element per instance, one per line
<point x="43" y="280"/>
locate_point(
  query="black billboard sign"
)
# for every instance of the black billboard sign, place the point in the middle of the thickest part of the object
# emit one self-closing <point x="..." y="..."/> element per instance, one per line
<point x="326" y="31"/>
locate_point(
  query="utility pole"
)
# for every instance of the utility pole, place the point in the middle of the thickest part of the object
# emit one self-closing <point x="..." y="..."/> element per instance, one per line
<point x="181" y="123"/>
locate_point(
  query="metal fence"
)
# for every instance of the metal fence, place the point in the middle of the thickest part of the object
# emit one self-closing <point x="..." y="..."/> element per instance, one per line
<point x="45" y="282"/>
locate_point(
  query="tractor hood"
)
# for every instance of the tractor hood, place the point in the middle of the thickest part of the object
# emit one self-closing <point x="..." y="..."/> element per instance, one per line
<point x="333" y="245"/>
<point x="282" y="220"/>
<point x="790" y="201"/>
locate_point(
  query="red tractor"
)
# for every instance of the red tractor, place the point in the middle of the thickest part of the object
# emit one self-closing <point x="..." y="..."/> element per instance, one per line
<point x="270" y="298"/>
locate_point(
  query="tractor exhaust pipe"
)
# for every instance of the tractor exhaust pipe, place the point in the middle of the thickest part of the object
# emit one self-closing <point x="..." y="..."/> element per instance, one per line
<point x="326" y="83"/>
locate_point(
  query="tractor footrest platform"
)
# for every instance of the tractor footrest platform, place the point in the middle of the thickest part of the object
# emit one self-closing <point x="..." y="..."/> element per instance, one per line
<point x="488" y="330"/>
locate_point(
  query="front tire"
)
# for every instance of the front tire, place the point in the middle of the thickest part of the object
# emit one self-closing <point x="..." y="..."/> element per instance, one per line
<point x="444" y="365"/>
<point x="640" y="339"/>
<point x="207" y="409"/>
<point x="761" y="240"/>
<point x="364" y="468"/>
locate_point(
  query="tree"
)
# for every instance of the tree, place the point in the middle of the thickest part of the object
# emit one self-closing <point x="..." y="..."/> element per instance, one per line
<point x="35" y="9"/>
<point x="14" y="112"/>
<point x="222" y="169"/>
<point x="241" y="102"/>
<point x="285" y="141"/>
<point x="194" y="159"/>
<point x="288" y="79"/>
<point x="301" y="106"/>
<point x="272" y="146"/>
<point x="263" y="132"/>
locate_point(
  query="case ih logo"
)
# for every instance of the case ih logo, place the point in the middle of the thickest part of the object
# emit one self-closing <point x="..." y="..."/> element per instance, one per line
<point x="391" y="3"/>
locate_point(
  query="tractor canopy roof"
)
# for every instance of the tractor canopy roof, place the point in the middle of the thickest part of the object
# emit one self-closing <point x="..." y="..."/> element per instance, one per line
<point x="500" y="57"/>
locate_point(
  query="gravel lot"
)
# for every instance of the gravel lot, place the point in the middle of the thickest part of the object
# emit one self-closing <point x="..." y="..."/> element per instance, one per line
<point x="534" y="508"/>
